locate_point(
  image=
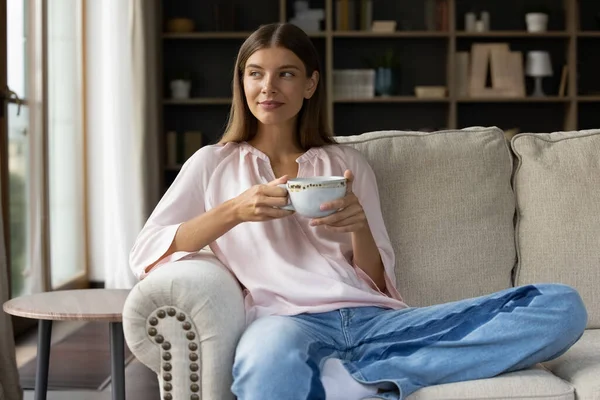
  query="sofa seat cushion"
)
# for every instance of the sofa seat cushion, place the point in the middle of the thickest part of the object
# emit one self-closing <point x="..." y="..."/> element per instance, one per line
<point x="533" y="383"/>
<point x="581" y="366"/>
<point x="557" y="186"/>
<point x="449" y="208"/>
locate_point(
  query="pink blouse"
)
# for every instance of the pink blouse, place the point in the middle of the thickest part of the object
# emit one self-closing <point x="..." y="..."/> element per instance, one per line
<point x="286" y="266"/>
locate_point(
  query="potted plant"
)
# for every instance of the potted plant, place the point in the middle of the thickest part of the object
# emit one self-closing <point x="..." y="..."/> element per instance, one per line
<point x="387" y="73"/>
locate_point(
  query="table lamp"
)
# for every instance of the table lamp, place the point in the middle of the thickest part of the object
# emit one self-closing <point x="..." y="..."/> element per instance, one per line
<point x="538" y="67"/>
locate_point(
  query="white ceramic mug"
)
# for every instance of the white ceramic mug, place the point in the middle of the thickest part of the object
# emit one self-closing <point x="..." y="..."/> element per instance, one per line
<point x="308" y="194"/>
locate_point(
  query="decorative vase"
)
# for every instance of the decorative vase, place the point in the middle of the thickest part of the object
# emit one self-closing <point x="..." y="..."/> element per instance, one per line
<point x="536" y="22"/>
<point x="180" y="89"/>
<point x="386" y="81"/>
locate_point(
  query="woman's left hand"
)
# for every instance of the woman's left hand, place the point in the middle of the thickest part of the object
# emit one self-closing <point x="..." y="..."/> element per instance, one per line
<point x="350" y="217"/>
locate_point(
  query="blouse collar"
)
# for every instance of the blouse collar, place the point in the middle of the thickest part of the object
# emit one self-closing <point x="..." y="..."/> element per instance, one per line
<point x="308" y="155"/>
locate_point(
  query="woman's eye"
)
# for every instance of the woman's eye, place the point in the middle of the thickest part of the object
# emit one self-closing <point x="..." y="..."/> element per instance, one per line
<point x="287" y="74"/>
<point x="254" y="73"/>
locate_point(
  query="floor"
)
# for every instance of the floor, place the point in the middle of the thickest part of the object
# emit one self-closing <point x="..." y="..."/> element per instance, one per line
<point x="140" y="382"/>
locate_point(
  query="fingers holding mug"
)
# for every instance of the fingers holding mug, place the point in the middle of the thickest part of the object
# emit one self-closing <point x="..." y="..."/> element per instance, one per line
<point x="288" y="206"/>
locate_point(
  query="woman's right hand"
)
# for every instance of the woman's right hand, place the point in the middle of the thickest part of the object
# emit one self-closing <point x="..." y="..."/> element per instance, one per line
<point x="261" y="202"/>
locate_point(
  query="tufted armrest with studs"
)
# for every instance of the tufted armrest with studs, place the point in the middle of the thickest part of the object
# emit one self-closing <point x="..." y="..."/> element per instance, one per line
<point x="183" y="321"/>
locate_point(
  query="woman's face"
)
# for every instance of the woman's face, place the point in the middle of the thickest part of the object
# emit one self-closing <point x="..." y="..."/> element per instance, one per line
<point x="276" y="85"/>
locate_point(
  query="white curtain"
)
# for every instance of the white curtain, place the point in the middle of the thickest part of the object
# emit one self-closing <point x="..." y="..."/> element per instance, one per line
<point x="9" y="377"/>
<point x="122" y="132"/>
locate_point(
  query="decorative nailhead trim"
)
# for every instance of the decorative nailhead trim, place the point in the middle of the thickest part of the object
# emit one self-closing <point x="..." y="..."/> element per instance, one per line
<point x="190" y="335"/>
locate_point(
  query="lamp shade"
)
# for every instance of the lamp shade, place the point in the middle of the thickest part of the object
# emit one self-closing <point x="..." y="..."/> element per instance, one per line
<point x="538" y="64"/>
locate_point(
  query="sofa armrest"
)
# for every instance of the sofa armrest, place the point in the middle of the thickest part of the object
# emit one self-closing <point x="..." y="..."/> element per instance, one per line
<point x="183" y="321"/>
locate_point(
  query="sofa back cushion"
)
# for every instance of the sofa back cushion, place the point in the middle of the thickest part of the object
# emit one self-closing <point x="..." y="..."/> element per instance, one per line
<point x="449" y="209"/>
<point x="557" y="186"/>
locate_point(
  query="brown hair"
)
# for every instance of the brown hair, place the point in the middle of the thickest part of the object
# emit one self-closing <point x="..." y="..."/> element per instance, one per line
<point x="312" y="130"/>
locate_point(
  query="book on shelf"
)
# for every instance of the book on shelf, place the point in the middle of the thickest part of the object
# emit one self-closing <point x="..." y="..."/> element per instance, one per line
<point x="172" y="151"/>
<point x="352" y="15"/>
<point x="181" y="146"/>
<point x="442" y="16"/>
<point x="563" y="81"/>
<point x="366" y="14"/>
<point x="462" y="73"/>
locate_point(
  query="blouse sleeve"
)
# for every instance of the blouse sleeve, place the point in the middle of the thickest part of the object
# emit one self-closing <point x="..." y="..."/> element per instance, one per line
<point x="183" y="201"/>
<point x="365" y="188"/>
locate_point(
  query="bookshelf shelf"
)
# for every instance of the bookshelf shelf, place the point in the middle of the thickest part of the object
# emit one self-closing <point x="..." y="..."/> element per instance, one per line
<point x="222" y="35"/>
<point x="207" y="35"/>
<point x="401" y="34"/>
<point x="588" y="99"/>
<point x="393" y="99"/>
<point x="589" y="34"/>
<point x="512" y="34"/>
<point x="547" y="99"/>
<point x="198" y="101"/>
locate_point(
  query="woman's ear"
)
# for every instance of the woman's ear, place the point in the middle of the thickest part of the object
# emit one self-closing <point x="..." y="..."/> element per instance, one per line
<point x="311" y="85"/>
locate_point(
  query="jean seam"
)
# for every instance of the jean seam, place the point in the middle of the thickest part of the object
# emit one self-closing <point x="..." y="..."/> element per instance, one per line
<point x="343" y="323"/>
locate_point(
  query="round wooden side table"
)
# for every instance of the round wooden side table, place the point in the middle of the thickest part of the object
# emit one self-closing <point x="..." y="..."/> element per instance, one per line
<point x="75" y="305"/>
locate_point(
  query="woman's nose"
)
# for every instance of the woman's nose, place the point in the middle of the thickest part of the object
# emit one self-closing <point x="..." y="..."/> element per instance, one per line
<point x="268" y="85"/>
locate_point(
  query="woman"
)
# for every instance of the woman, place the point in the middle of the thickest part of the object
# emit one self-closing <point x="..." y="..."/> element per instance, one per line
<point x="325" y="318"/>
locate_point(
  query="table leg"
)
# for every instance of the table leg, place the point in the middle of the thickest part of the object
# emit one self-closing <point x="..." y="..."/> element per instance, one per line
<point x="117" y="360"/>
<point x="43" y="358"/>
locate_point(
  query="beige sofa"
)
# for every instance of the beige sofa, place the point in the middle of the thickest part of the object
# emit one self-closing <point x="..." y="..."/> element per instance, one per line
<point x="468" y="213"/>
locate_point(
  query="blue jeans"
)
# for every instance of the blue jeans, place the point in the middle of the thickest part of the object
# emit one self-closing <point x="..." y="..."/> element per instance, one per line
<point x="280" y="357"/>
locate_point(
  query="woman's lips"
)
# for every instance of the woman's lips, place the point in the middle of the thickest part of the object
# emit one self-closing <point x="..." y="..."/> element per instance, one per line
<point x="270" y="105"/>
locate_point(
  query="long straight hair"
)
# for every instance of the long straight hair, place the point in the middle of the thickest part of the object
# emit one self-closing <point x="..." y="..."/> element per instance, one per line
<point x="312" y="129"/>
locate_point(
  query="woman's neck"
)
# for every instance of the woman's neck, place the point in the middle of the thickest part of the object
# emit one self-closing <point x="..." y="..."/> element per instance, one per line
<point x="277" y="142"/>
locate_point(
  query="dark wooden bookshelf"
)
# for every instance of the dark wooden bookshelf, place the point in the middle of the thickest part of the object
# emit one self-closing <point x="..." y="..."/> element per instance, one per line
<point x="428" y="57"/>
